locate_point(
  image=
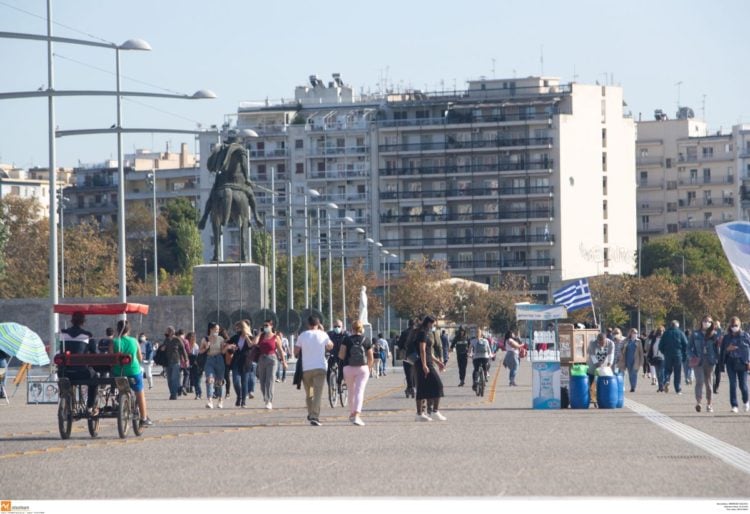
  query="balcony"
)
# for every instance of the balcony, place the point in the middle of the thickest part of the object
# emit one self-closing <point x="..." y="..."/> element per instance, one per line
<point x="501" y="264"/>
<point x="522" y="166"/>
<point x="650" y="228"/>
<point x="278" y="153"/>
<point x="464" y="193"/>
<point x="650" y="184"/>
<point x="697" y="225"/>
<point x="649" y="161"/>
<point x="505" y="215"/>
<point x="704" y="181"/>
<point x="467" y="145"/>
<point x="338" y="150"/>
<point x="645" y="208"/>
<point x="363" y="172"/>
<point x="445" y="242"/>
<point x="458" y="118"/>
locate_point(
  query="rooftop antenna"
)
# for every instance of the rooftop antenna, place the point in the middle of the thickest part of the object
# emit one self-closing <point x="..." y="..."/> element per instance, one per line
<point x="575" y="75"/>
<point x="703" y="107"/>
<point x="679" y="86"/>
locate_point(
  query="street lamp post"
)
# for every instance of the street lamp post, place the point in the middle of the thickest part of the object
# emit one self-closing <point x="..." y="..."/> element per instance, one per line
<point x="273" y="238"/>
<point x="316" y="194"/>
<point x="333" y="206"/>
<point x="306" y="242"/>
<point x="62" y="202"/>
<point x="345" y="219"/>
<point x="151" y="179"/>
<point x="290" y="260"/>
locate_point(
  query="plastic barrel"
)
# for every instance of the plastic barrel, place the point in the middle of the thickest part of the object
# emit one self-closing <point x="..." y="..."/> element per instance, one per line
<point x="564" y="397"/>
<point x="606" y="392"/>
<point x="579" y="392"/>
<point x="620" y="390"/>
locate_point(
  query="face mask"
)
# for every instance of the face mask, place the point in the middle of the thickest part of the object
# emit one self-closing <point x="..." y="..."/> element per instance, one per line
<point x="734" y="328"/>
<point x="705" y="325"/>
<point x="266" y="330"/>
<point x="337" y="330"/>
<point x="143" y="339"/>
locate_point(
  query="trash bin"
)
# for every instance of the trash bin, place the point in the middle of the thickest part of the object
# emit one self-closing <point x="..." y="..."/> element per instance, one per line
<point x="620" y="390"/>
<point x="606" y="392"/>
<point x="579" y="392"/>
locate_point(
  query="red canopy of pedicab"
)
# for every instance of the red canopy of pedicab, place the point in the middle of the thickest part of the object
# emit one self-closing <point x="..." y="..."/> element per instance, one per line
<point x="101" y="308"/>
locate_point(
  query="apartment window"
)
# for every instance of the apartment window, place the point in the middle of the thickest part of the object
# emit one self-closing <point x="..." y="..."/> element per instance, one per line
<point x="321" y="167"/>
<point x="465" y="259"/>
<point x="604" y="209"/>
<point x="691" y="198"/>
<point x="708" y="152"/>
<point x="708" y="220"/>
<point x="644" y="178"/>
<point x="400" y="115"/>
<point x="671" y="206"/>
<point x="262" y="171"/>
<point x="692" y="153"/>
<point x="693" y="176"/>
<point x="605" y="233"/>
<point x="669" y="162"/>
<point x="644" y="221"/>
<point x="422" y="114"/>
<point x="604" y="185"/>
<point x="299" y="168"/>
<point x="706" y="175"/>
<point x="604" y="138"/>
<point x="671" y="228"/>
<point x="299" y="143"/>
<point x="281" y="170"/>
<point x="644" y="152"/>
<point x="604" y="161"/>
<point x="707" y="198"/>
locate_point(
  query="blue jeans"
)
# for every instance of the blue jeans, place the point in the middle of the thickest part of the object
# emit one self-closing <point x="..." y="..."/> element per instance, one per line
<point x="173" y="379"/>
<point x="383" y="363"/>
<point x="241" y="380"/>
<point x="673" y="365"/>
<point x="513" y="369"/>
<point x="633" y="376"/>
<point x="733" y="376"/>
<point x="659" y="368"/>
<point x="214" y="375"/>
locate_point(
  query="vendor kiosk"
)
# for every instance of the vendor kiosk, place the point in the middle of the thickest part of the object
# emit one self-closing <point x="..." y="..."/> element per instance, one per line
<point x="544" y="352"/>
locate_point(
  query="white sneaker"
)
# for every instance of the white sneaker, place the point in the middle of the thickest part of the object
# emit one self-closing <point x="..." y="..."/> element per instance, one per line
<point x="423" y="417"/>
<point x="210" y="404"/>
<point x="735" y="410"/>
<point x="439" y="416"/>
<point x="747" y="407"/>
<point x="709" y="408"/>
<point x="221" y="404"/>
<point x="269" y="406"/>
<point x="358" y="421"/>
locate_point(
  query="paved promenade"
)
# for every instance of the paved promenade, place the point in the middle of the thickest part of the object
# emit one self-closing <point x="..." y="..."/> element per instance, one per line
<point x="495" y="446"/>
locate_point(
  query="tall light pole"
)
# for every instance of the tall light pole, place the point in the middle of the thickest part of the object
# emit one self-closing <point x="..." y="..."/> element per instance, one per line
<point x="273" y="238"/>
<point x="62" y="202"/>
<point x="151" y="180"/>
<point x="290" y="260"/>
<point x="316" y="194"/>
<point x="306" y="242"/>
<point x="332" y="206"/>
<point x="130" y="44"/>
<point x="54" y="319"/>
<point x="345" y="219"/>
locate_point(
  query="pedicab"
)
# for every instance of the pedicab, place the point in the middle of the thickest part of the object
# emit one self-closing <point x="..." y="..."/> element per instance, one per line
<point x="114" y="396"/>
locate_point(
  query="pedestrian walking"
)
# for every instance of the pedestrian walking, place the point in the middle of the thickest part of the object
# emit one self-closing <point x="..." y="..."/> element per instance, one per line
<point x="687" y="371"/>
<point x="702" y="356"/>
<point x="407" y="346"/>
<point x="175" y="353"/>
<point x="429" y="385"/>
<point x="215" y="347"/>
<point x="445" y="342"/>
<point x="126" y="344"/>
<point x="736" y="347"/>
<point x="385" y="352"/>
<point x="656" y="357"/>
<point x="374" y="364"/>
<point x="313" y="344"/>
<point x="228" y="354"/>
<point x="196" y="364"/>
<point x="631" y="357"/>
<point x="461" y="345"/>
<point x="619" y="341"/>
<point x="674" y="347"/>
<point x="720" y="366"/>
<point x="239" y="345"/>
<point x="187" y="386"/>
<point x="147" y="351"/>
<point x="357" y="356"/>
<point x="281" y="370"/>
<point x="271" y="353"/>
<point x="512" y="359"/>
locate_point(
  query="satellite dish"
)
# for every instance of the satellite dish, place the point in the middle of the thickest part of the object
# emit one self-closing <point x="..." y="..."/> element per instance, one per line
<point x="262" y="315"/>
<point x="289" y="321"/>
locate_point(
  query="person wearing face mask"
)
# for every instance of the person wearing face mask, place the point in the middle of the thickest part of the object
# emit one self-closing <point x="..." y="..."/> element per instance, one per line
<point x="147" y="350"/>
<point x="702" y="357"/>
<point x="429" y="385"/>
<point x="631" y="357"/>
<point x="337" y="336"/>
<point x="271" y="351"/>
<point x="239" y="345"/>
<point x="736" y="347"/>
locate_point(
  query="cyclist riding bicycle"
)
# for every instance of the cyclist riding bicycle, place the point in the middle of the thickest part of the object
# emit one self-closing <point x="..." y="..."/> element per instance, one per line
<point x="336" y="335"/>
<point x="481" y="355"/>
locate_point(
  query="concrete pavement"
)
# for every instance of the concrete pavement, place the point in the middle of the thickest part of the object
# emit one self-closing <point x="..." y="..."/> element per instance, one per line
<point x="495" y="446"/>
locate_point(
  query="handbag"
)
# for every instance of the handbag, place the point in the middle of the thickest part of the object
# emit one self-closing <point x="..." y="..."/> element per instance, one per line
<point x="694" y="362"/>
<point x="252" y="355"/>
<point x="200" y="360"/>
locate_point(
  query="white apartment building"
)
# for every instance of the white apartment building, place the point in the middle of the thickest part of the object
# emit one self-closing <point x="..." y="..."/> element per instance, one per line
<point x="527" y="176"/>
<point x="31" y="183"/>
<point x="687" y="177"/>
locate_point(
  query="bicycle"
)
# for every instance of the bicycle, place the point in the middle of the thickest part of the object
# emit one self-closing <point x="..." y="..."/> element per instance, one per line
<point x="482" y="377"/>
<point x="337" y="390"/>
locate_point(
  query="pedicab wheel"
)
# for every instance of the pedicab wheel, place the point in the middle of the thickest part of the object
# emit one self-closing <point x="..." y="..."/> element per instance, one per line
<point x="332" y="393"/>
<point x="123" y="415"/>
<point x="65" y="415"/>
<point x="344" y="395"/>
<point x="93" y="423"/>
<point x="136" y="411"/>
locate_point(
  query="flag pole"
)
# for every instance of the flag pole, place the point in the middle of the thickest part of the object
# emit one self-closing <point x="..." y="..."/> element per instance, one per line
<point x="593" y="307"/>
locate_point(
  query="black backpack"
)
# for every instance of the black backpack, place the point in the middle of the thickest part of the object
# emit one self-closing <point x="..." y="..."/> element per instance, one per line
<point x="357" y="346"/>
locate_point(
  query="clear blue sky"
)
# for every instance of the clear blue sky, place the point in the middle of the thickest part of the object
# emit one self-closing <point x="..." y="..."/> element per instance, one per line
<point x="247" y="51"/>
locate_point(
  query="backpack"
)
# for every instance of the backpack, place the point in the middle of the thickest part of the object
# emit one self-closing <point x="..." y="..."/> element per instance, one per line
<point x="357" y="350"/>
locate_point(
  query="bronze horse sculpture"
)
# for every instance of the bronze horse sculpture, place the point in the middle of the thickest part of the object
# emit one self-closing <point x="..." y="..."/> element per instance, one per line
<point x="231" y="197"/>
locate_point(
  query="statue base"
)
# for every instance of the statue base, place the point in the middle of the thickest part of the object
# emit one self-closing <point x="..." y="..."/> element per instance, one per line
<point x="228" y="292"/>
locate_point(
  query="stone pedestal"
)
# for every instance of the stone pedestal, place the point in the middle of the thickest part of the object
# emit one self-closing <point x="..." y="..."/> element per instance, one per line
<point x="228" y="292"/>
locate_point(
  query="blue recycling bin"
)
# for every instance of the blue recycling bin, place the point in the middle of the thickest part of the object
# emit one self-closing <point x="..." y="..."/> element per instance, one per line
<point x="579" y="392"/>
<point x="620" y="390"/>
<point x="606" y="392"/>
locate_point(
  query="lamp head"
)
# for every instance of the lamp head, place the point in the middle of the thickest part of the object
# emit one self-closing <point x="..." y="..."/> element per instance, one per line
<point x="135" y="44"/>
<point x="332" y="205"/>
<point x="370" y="240"/>
<point x="314" y="193"/>
<point x="349" y="219"/>
<point x="205" y="94"/>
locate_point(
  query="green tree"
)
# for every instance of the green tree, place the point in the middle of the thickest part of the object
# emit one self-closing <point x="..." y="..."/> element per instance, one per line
<point x="657" y="294"/>
<point x="179" y="214"/>
<point x="511" y="289"/>
<point x="422" y="289"/>
<point x="702" y="253"/>
<point x="91" y="261"/>
<point x="708" y="294"/>
<point x="26" y="253"/>
<point x="610" y="294"/>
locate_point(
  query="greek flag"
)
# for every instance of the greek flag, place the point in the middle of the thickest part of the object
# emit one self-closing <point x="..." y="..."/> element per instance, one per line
<point x="574" y="296"/>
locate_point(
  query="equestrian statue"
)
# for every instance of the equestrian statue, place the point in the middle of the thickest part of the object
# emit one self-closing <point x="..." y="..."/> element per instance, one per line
<point x="232" y="197"/>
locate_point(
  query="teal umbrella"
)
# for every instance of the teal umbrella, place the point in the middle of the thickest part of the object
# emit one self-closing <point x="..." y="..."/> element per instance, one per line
<point x="22" y="343"/>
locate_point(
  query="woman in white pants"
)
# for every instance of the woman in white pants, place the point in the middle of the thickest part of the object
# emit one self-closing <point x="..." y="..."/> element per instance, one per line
<point x="357" y="357"/>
